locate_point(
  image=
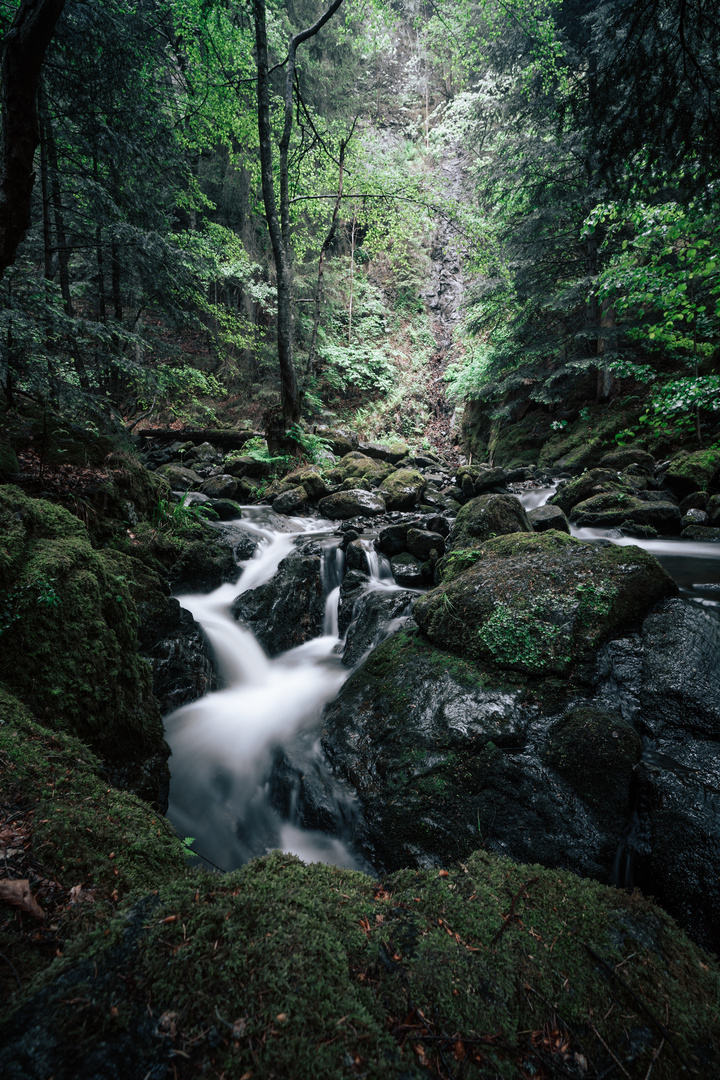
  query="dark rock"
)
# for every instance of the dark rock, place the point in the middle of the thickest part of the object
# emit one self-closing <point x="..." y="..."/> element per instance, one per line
<point x="438" y="524"/>
<point x="702" y="533"/>
<point x="408" y="571"/>
<point x="547" y="517"/>
<point x="353" y="585"/>
<point x="311" y="479"/>
<point x="177" y="649"/>
<point x="226" y="509"/>
<point x="694" y="517"/>
<point x="421" y="542"/>
<point x="478" y="479"/>
<point x="642" y="532"/>
<point x="301" y="790"/>
<point x="393" y="453"/>
<point x="291" y="502"/>
<point x="698" y="500"/>
<point x="353" y="503"/>
<point x="356" y="557"/>
<point x="713" y="510"/>
<point x="377" y="613"/>
<point x="203" y="566"/>
<point x="237" y="540"/>
<point x="620" y="459"/>
<point x="392" y="539"/>
<point x="486" y="516"/>
<point x="540" y="602"/>
<point x="341" y="442"/>
<point x="246" y="465"/>
<point x="403" y="489"/>
<point x="289" y="609"/>
<point x="223" y="486"/>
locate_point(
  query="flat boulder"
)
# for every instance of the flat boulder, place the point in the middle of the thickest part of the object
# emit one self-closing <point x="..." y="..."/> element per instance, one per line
<point x="422" y="542"/>
<point x="403" y="489"/>
<point x="179" y="478"/>
<point x="539" y="603"/>
<point x="356" y="466"/>
<point x="353" y="503"/>
<point x="477" y="479"/>
<point x="486" y="516"/>
<point x="614" y="508"/>
<point x="407" y="570"/>
<point x="220" y="487"/>
<point x="694" y="472"/>
<point x="621" y="459"/>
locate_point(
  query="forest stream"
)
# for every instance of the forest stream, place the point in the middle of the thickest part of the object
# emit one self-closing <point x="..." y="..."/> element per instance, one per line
<point x="224" y="744"/>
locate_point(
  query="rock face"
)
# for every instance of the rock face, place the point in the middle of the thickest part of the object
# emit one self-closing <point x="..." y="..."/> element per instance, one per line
<point x="441" y="751"/>
<point x="487" y="516"/>
<point x="539" y="603"/>
<point x="289" y="609"/>
<point x="353" y="503"/>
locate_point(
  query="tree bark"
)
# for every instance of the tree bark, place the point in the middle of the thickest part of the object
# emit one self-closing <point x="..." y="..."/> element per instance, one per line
<point x="26" y="43"/>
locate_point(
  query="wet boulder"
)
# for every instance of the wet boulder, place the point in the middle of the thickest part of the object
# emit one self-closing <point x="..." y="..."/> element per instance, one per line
<point x="353" y="586"/>
<point x="311" y="479"/>
<point x="487" y="516"/>
<point x="538" y="603"/>
<point x="477" y="479"/>
<point x="421" y="543"/>
<point x="377" y="614"/>
<point x="226" y="509"/>
<point x="403" y="489"/>
<point x="223" y="486"/>
<point x="203" y="566"/>
<point x="614" y="508"/>
<point x="699" y="471"/>
<point x="353" y="503"/>
<point x="408" y="571"/>
<point x="356" y="556"/>
<point x="392" y="539"/>
<point x="289" y="609"/>
<point x="547" y="517"/>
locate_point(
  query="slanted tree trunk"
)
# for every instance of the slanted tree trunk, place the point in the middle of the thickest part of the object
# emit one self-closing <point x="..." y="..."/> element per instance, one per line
<point x="26" y="43"/>
<point x="279" y="226"/>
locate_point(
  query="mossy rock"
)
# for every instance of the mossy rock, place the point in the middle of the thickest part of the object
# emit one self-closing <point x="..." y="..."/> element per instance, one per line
<point x="403" y="489"/>
<point x="614" y="508"/>
<point x="596" y="750"/>
<point x="620" y="459"/>
<point x="311" y="479"/>
<point x="583" y="444"/>
<point x="591" y="483"/>
<point x="69" y="641"/>
<point x="694" y="472"/>
<point x="487" y="516"/>
<point x="355" y="466"/>
<point x="82" y="832"/>
<point x="538" y="603"/>
<point x="9" y="464"/>
<point x="283" y="970"/>
<point x="59" y="441"/>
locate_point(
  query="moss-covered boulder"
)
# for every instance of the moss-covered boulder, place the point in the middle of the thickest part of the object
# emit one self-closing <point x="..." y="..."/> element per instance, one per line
<point x="477" y="479"/>
<point x="591" y="483"/>
<point x="547" y="517"/>
<point x="283" y="970"/>
<point x="292" y="501"/>
<point x="223" y="486"/>
<point x="357" y="466"/>
<point x="615" y="508"/>
<point x="621" y="459"/>
<point x="311" y="479"/>
<point x="487" y="516"/>
<point x="68" y="646"/>
<point x="694" y="472"/>
<point x="181" y="478"/>
<point x="539" y="603"/>
<point x="403" y="489"/>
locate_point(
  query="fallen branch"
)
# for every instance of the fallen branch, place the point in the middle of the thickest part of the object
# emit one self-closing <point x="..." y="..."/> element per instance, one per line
<point x="511" y="916"/>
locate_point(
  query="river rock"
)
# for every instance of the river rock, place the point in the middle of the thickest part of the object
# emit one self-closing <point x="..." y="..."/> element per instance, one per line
<point x="289" y="609"/>
<point x="713" y="509"/>
<point x="694" y="517"/>
<point x="539" y="603"/>
<point x="311" y="480"/>
<point x="291" y="502"/>
<point x="226" y="509"/>
<point x="353" y="586"/>
<point x="353" y="503"/>
<point x="619" y="460"/>
<point x="703" y="533"/>
<point x="356" y="556"/>
<point x="697" y="500"/>
<point x="356" y="466"/>
<point x="223" y="486"/>
<point x="694" y="472"/>
<point x="612" y="508"/>
<point x="547" y="517"/>
<point x="377" y="613"/>
<point x="477" y="479"/>
<point x="176" y="647"/>
<point x="421" y="542"/>
<point x="407" y="570"/>
<point x="245" y="465"/>
<point x="403" y="489"/>
<point x="203" y="566"/>
<point x="591" y="483"/>
<point x="486" y="516"/>
<point x="179" y="478"/>
<point x="393" y="539"/>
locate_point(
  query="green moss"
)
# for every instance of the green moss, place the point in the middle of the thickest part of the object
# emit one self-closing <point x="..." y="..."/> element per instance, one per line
<point x="284" y="970"/>
<point x="69" y="641"/>
<point x="596" y="750"/>
<point x="486" y="516"/>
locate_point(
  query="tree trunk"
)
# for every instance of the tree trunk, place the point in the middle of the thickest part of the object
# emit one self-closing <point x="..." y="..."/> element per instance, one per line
<point x="279" y="228"/>
<point x="26" y="43"/>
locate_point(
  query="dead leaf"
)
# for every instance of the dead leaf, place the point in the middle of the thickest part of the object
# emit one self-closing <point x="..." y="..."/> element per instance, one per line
<point x="239" y="1028"/>
<point x="18" y="893"/>
<point x="78" y="895"/>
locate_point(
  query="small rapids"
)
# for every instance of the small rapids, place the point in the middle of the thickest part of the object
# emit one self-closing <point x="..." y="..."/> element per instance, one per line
<point x="223" y="743"/>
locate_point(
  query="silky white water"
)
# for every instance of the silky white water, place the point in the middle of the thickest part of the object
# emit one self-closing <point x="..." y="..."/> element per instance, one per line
<point x="222" y="743"/>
